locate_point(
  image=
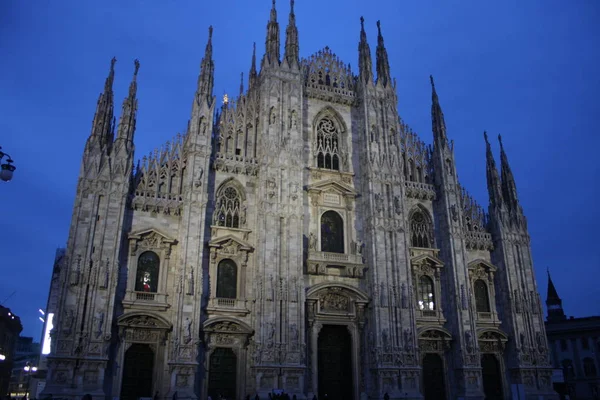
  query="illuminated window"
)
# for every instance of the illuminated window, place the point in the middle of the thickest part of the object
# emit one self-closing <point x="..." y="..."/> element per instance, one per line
<point x="426" y="298"/>
<point x="147" y="272"/>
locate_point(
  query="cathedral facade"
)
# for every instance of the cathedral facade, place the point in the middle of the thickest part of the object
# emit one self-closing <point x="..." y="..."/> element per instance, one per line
<point x="300" y="237"/>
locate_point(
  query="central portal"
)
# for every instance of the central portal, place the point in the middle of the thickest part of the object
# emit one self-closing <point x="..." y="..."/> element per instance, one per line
<point x="335" y="363"/>
<point x="222" y="374"/>
<point x="137" y="372"/>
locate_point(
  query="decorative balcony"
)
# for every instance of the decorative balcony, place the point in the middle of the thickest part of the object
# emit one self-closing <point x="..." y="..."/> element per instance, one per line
<point x="428" y="317"/>
<point x="218" y="305"/>
<point x="146" y="300"/>
<point x="418" y="190"/>
<point x="335" y="264"/>
<point x="477" y="240"/>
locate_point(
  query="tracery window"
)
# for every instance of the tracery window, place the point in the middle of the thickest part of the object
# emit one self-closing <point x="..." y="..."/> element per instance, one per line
<point x="227" y="279"/>
<point x="482" y="299"/>
<point x="228" y="210"/>
<point x="332" y="232"/>
<point x="327" y="145"/>
<point x="420" y="230"/>
<point x="146" y="279"/>
<point x="426" y="298"/>
<point x="589" y="368"/>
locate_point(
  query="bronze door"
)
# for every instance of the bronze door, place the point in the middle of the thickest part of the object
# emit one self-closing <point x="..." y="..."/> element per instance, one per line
<point x="335" y="363"/>
<point x="492" y="377"/>
<point x="222" y="374"/>
<point x="138" y="369"/>
<point x="434" y="387"/>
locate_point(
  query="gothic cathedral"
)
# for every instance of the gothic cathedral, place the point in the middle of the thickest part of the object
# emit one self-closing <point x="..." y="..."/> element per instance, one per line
<point x="300" y="237"/>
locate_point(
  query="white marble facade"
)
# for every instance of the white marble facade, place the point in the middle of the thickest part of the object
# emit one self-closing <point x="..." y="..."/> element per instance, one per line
<point x="297" y="233"/>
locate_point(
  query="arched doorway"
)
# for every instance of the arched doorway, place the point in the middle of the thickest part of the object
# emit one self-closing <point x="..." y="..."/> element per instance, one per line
<point x="222" y="374"/>
<point x="335" y="363"/>
<point x="434" y="387"/>
<point x="138" y="368"/>
<point x="492" y="377"/>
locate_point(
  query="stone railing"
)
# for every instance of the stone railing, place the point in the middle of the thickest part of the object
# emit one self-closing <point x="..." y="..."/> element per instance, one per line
<point x="236" y="164"/>
<point x="337" y="264"/>
<point x="145" y="300"/>
<point x="418" y="190"/>
<point x="221" y="304"/>
<point x="475" y="240"/>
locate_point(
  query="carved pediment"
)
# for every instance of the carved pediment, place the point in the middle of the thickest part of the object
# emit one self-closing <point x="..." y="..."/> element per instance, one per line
<point x="332" y="186"/>
<point x="140" y="320"/>
<point x="153" y="236"/>
<point x="481" y="263"/>
<point x="230" y="244"/>
<point x="426" y="259"/>
<point x="227" y="325"/>
<point x="492" y="334"/>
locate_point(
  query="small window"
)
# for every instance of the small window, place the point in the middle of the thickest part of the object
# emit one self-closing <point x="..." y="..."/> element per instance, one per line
<point x="227" y="280"/>
<point x="585" y="344"/>
<point x="238" y="152"/>
<point x="426" y="295"/>
<point x="147" y="272"/>
<point x="589" y="367"/>
<point x="482" y="298"/>
<point x="332" y="232"/>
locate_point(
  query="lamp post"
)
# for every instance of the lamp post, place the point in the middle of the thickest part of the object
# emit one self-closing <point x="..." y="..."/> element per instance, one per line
<point x="28" y="370"/>
<point x="6" y="169"/>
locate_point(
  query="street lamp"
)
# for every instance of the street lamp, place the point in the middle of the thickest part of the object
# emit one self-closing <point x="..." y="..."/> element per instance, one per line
<point x="28" y="370"/>
<point x="6" y="169"/>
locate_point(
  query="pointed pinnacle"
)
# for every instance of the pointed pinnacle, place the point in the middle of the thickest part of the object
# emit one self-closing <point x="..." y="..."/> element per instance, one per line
<point x="291" y="6"/>
<point x="431" y="80"/>
<point x="362" y="23"/>
<point x="137" y="67"/>
<point x="485" y="137"/>
<point x="500" y="140"/>
<point x="379" y="27"/>
<point x="210" y="32"/>
<point x="112" y="63"/>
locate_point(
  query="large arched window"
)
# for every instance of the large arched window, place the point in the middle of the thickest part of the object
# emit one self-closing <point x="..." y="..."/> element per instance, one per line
<point x="589" y="368"/>
<point x="482" y="299"/>
<point x="327" y="145"/>
<point x="426" y="298"/>
<point x="146" y="279"/>
<point x="420" y="230"/>
<point x="227" y="280"/>
<point x="228" y="210"/>
<point x="332" y="232"/>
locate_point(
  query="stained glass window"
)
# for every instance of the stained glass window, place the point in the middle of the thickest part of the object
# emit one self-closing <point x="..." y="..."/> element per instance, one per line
<point x="327" y="145"/>
<point x="426" y="298"/>
<point x="227" y="280"/>
<point x="332" y="232"/>
<point x="147" y="272"/>
<point x="228" y="208"/>
<point x="420" y="229"/>
<point x="482" y="299"/>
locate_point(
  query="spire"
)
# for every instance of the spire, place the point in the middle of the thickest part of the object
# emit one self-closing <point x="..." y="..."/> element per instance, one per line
<point x="509" y="188"/>
<point x="383" y="65"/>
<point x="365" y="65"/>
<point x="103" y="124"/>
<point x="207" y="68"/>
<point x="493" y="180"/>
<point x="554" y="303"/>
<point x="437" y="117"/>
<point x="253" y="74"/>
<point x="291" y="39"/>
<point x="272" y="43"/>
<point x="242" y="84"/>
<point x="129" y="109"/>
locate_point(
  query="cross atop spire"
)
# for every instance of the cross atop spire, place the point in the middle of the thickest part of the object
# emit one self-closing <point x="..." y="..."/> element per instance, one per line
<point x="383" y="65"/>
<point x="365" y="65"/>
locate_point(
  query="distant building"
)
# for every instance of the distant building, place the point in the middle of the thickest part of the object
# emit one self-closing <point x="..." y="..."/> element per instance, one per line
<point x="10" y="328"/>
<point x="27" y="352"/>
<point x="575" y="345"/>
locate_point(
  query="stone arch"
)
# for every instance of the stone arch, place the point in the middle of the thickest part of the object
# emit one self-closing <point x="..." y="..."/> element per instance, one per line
<point x="334" y="115"/>
<point x="231" y="181"/>
<point x="329" y="140"/>
<point x="434" y="339"/>
<point x="421" y="232"/>
<point x="144" y="319"/>
<point x="491" y="340"/>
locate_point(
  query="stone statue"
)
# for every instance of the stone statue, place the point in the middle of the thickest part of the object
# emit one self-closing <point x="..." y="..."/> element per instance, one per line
<point x="312" y="241"/>
<point x="358" y="247"/>
<point x="98" y="323"/>
<point x="187" y="329"/>
<point x="190" y="290"/>
<point x="68" y="323"/>
<point x="294" y="333"/>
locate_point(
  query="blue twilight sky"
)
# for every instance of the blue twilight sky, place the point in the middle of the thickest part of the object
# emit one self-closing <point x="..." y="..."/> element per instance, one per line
<point x="529" y="70"/>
